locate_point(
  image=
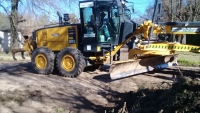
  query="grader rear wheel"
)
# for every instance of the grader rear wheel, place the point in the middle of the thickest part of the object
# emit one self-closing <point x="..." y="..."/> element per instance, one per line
<point x="43" y="60"/>
<point x="70" y="62"/>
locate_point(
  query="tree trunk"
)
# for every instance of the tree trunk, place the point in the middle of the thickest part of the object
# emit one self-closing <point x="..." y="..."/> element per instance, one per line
<point x="14" y="23"/>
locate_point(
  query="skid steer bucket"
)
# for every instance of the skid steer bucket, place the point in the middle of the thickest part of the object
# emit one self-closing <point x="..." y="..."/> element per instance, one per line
<point x="131" y="67"/>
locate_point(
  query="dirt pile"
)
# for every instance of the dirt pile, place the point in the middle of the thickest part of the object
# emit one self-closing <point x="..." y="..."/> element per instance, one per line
<point x="181" y="96"/>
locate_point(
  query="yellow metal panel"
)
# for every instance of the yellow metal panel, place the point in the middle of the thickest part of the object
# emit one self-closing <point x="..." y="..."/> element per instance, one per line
<point x="185" y="33"/>
<point x="168" y="29"/>
<point x="57" y="38"/>
<point x="73" y="45"/>
<point x="173" y="46"/>
<point x="56" y="46"/>
<point x="26" y="46"/>
<point x="134" y="52"/>
<point x="96" y="57"/>
<point x="41" y="36"/>
<point x="57" y="34"/>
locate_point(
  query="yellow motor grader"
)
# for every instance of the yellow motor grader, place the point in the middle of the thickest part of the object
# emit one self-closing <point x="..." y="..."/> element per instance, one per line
<point x="104" y="28"/>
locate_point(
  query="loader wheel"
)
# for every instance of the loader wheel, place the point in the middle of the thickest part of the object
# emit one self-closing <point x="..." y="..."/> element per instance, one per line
<point x="70" y="62"/>
<point x="43" y="60"/>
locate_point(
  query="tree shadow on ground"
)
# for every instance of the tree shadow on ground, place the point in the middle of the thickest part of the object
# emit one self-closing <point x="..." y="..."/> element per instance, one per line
<point x="83" y="104"/>
<point x="103" y="78"/>
<point x="77" y="102"/>
<point x="180" y="96"/>
<point x="17" y="70"/>
<point x="27" y="67"/>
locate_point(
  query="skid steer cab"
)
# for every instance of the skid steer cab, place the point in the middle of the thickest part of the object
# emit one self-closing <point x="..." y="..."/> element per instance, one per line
<point x="69" y="48"/>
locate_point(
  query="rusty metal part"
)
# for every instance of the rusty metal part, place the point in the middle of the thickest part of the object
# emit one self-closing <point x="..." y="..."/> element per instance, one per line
<point x="131" y="67"/>
<point x="13" y="51"/>
<point x="28" y="46"/>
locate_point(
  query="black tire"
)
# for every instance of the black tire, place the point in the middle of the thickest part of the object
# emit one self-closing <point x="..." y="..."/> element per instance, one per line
<point x="48" y="55"/>
<point x="78" y="63"/>
<point x="55" y="70"/>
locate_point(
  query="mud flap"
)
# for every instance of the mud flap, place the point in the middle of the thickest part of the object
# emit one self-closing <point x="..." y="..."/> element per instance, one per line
<point x="131" y="67"/>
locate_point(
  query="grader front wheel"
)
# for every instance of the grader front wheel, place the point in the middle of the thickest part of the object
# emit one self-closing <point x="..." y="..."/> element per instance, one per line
<point x="70" y="62"/>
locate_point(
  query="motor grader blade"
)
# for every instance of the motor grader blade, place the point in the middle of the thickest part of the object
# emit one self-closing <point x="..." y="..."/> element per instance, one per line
<point x="131" y="67"/>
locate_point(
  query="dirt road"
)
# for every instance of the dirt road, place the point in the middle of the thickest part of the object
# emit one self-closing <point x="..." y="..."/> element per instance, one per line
<point x="24" y="91"/>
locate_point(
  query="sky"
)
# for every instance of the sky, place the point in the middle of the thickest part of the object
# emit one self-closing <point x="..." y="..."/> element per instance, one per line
<point x="139" y="6"/>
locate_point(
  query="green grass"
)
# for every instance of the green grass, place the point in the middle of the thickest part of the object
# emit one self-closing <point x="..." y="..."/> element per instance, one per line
<point x="3" y="54"/>
<point x="59" y="110"/>
<point x="9" y="57"/>
<point x="189" y="59"/>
